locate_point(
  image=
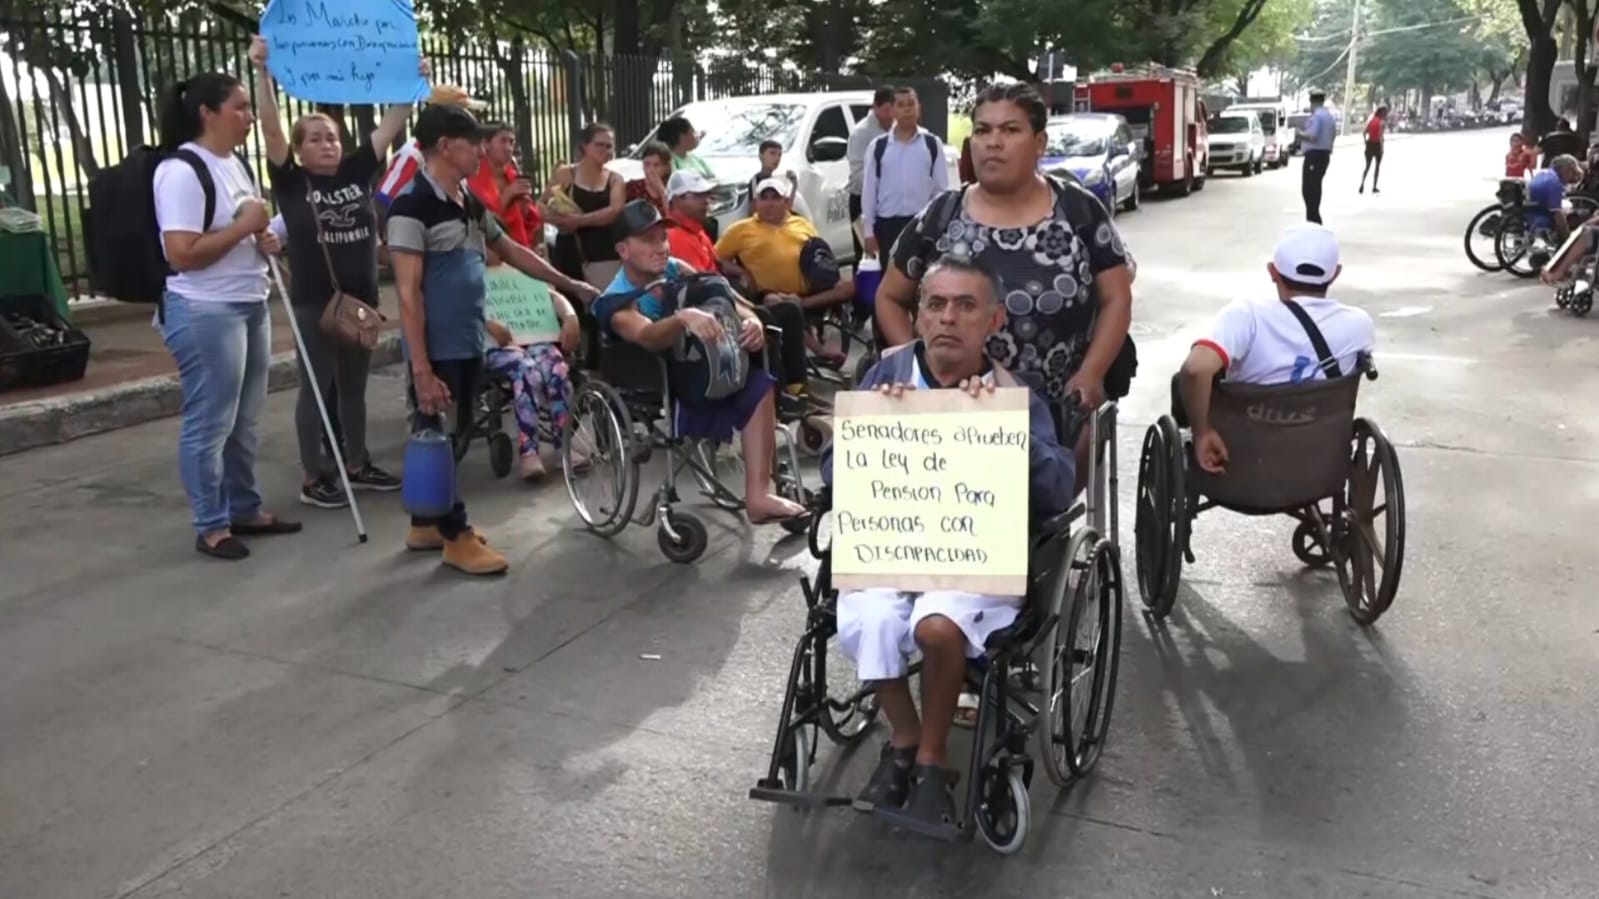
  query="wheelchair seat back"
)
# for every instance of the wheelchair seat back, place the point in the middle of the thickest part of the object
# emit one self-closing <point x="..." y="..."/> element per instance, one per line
<point x="1288" y="445"/>
<point x="1512" y="192"/>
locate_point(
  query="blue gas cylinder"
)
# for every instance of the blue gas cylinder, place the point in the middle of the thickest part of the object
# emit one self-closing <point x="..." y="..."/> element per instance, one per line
<point x="867" y="276"/>
<point x="429" y="483"/>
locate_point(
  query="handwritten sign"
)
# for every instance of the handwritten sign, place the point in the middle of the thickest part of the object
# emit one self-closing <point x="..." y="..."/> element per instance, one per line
<point x="930" y="491"/>
<point x="345" y="51"/>
<point x="523" y="305"/>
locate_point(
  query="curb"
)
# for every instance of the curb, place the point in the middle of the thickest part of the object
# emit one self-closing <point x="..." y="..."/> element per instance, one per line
<point x="61" y="419"/>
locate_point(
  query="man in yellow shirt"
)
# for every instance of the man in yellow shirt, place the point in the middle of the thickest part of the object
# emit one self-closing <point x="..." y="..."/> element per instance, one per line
<point x="769" y="252"/>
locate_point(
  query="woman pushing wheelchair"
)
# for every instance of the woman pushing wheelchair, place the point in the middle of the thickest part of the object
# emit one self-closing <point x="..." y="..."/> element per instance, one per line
<point x="959" y="312"/>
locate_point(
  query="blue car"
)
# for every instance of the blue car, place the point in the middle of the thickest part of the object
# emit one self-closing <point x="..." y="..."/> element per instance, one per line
<point x="1099" y="151"/>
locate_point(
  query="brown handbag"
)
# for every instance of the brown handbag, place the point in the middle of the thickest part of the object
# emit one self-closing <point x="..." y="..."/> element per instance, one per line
<point x="345" y="318"/>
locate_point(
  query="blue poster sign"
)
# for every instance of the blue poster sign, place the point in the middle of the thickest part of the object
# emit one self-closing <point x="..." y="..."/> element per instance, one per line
<point x="345" y="51"/>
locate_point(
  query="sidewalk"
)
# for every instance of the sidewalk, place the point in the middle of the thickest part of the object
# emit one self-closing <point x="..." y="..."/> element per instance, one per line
<point x="132" y="378"/>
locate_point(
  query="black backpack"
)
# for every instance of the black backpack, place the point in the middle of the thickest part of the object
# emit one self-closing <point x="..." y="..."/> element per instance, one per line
<point x="123" y="241"/>
<point x="932" y="151"/>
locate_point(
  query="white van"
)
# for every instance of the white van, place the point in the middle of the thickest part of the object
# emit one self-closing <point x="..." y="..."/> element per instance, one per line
<point x="814" y="130"/>
<point x="1280" y="135"/>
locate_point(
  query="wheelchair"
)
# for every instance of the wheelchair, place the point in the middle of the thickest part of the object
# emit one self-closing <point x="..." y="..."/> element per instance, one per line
<point x="1049" y="679"/>
<point x="1297" y="450"/>
<point x="627" y="415"/>
<point x="495" y="398"/>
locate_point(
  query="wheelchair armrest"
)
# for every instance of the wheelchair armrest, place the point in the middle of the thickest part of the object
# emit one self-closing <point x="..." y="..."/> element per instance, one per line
<point x="1054" y="524"/>
<point x="1365" y="365"/>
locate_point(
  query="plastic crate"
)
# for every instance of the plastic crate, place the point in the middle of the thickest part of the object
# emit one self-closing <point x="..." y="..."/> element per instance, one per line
<point x="24" y="365"/>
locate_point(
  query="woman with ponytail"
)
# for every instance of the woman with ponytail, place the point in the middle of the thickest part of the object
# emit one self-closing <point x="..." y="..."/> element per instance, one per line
<point x="214" y="314"/>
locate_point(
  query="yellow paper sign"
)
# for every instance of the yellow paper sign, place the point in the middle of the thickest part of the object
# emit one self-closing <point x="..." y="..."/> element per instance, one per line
<point x="522" y="304"/>
<point x="930" y="491"/>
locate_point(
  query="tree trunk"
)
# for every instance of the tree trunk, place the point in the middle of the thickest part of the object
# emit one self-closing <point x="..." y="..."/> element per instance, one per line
<point x="11" y="151"/>
<point x="82" y="147"/>
<point x="1538" y="117"/>
<point x="632" y="77"/>
<point x="511" y="64"/>
<point x="125" y="60"/>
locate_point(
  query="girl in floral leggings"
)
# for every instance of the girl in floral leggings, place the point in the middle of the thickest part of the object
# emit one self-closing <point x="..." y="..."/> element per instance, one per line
<point x="538" y="375"/>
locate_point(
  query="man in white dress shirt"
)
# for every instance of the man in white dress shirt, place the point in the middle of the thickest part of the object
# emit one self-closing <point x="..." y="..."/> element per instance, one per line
<point x="905" y="170"/>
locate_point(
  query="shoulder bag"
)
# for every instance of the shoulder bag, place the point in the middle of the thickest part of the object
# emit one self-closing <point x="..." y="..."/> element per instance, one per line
<point x="345" y="318"/>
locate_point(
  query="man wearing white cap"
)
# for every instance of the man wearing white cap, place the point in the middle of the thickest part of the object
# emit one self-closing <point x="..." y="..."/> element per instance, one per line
<point x="1274" y="341"/>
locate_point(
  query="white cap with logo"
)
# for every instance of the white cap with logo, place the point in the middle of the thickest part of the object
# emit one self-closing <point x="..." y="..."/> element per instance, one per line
<point x="783" y="186"/>
<point x="687" y="182"/>
<point x="1307" y="254"/>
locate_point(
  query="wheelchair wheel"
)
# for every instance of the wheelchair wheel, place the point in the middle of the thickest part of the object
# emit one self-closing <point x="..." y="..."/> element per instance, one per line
<point x="1514" y="246"/>
<point x="815" y="432"/>
<point x="1160" y="525"/>
<point x="502" y="454"/>
<point x="1084" y="660"/>
<point x="1484" y="228"/>
<point x="600" y="428"/>
<point x="795" y="768"/>
<point x="1004" y="812"/>
<point x="1581" y="302"/>
<point x="1308" y="548"/>
<point x="1368" y="572"/>
<point x="864" y="365"/>
<point x="691" y="541"/>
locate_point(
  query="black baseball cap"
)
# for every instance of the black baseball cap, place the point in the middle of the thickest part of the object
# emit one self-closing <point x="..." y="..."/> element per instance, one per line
<point x="437" y="121"/>
<point x="636" y="218"/>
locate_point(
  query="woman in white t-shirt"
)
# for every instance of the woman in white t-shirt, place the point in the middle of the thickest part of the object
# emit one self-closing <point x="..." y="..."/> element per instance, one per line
<point x="214" y="315"/>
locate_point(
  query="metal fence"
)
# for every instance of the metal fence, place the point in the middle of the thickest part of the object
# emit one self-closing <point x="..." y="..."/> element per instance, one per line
<point x="76" y="93"/>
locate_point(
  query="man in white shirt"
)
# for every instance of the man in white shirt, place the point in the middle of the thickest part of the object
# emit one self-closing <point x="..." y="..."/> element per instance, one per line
<point x="1269" y="341"/>
<point x="905" y="170"/>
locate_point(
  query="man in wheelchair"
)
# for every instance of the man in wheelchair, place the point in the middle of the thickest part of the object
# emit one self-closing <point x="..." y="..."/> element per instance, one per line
<point x="1301" y="335"/>
<point x="642" y="320"/>
<point x="960" y="310"/>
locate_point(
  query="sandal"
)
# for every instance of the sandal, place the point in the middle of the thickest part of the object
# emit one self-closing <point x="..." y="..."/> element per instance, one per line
<point x="890" y="782"/>
<point x="229" y="548"/>
<point x="930" y="809"/>
<point x="267" y="527"/>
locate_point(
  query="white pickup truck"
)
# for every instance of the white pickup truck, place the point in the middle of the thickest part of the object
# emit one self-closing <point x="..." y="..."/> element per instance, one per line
<point x="814" y="130"/>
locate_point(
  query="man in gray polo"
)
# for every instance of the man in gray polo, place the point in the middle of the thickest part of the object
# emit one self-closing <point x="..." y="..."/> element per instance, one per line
<point x="905" y="170"/>
<point x="877" y="121"/>
<point x="1321" y="129"/>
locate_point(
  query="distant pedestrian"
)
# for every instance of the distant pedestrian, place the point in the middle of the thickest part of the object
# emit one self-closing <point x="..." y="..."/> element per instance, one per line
<point x="1321" y="129"/>
<point x="679" y="134"/>
<point x="875" y="122"/>
<point x="905" y="170"/>
<point x="1374" y="142"/>
<point x="657" y="160"/>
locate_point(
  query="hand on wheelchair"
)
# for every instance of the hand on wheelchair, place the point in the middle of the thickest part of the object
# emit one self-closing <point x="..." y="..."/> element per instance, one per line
<point x="584" y="292"/>
<point x="1090" y="391"/>
<point x="752" y="335"/>
<point x="1210" y="451"/>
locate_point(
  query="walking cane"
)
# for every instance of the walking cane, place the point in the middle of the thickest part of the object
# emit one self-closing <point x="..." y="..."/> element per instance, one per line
<point x="316" y="391"/>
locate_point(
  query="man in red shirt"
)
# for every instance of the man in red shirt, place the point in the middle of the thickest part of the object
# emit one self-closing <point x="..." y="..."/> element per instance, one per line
<point x="1374" y="132"/>
<point x="501" y="187"/>
<point x="688" y="202"/>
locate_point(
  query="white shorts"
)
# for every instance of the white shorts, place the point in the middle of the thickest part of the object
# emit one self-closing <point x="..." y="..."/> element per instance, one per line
<point x="877" y="628"/>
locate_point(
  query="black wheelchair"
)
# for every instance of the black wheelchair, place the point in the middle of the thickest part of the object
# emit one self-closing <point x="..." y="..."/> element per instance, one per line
<point x="1049" y="678"/>
<point x="494" y="400"/>
<point x="620" y="418"/>
<point x="1297" y="450"/>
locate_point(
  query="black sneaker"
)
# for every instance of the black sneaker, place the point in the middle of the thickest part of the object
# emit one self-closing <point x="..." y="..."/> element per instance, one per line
<point x="890" y="782"/>
<point x="371" y="477"/>
<point x="324" y="494"/>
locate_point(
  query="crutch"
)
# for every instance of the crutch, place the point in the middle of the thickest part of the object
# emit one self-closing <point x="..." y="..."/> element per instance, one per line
<point x="321" y="406"/>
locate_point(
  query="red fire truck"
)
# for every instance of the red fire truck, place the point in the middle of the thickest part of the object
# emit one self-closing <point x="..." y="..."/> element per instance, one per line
<point x="1164" y="109"/>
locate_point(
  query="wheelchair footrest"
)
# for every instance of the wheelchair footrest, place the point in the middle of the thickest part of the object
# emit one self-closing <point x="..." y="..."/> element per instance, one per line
<point x="948" y="833"/>
<point x="765" y="791"/>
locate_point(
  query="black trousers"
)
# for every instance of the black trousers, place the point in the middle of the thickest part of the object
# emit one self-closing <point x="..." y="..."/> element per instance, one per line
<point x="887" y="230"/>
<point x="854" y="215"/>
<point x="461" y="377"/>
<point x="1311" y="175"/>
<point x="788" y="360"/>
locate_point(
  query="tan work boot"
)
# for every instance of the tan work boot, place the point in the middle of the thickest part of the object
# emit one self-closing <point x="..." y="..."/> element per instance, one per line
<point x="423" y="539"/>
<point x="471" y="554"/>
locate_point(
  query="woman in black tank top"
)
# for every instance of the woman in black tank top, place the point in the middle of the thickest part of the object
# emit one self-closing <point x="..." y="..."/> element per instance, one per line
<point x="599" y="195"/>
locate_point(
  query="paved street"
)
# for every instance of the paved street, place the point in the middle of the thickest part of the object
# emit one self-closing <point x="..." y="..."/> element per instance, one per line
<point x="333" y="720"/>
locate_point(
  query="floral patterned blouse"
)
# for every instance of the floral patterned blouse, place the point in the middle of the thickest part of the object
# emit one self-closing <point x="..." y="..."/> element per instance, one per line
<point x="1047" y="272"/>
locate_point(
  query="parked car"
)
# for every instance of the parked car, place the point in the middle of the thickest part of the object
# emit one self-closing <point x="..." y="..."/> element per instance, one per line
<point x="1280" y="136"/>
<point x="1237" y="142"/>
<point x="814" y="130"/>
<point x="1099" y="151"/>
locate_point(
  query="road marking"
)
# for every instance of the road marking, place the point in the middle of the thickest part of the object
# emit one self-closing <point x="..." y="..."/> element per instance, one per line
<point x="1406" y="312"/>
<point x="1424" y="357"/>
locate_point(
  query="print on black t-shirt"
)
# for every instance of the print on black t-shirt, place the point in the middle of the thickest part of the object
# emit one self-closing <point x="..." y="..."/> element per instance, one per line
<point x="343" y="203"/>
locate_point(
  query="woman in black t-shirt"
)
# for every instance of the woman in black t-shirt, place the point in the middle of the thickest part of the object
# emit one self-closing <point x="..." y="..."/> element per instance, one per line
<point x="325" y="199"/>
<point x="1066" y="274"/>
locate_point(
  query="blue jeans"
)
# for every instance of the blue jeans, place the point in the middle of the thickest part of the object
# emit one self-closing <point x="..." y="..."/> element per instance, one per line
<point x="223" y="351"/>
